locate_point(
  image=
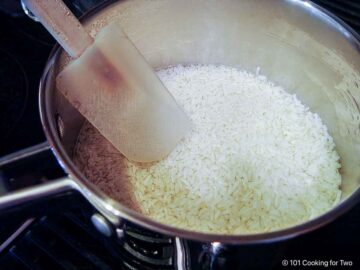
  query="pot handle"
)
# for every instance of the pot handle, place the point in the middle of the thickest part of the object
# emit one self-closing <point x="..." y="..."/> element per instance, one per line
<point x="28" y="165"/>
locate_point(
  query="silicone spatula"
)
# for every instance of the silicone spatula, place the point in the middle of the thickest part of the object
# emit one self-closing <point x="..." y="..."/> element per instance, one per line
<point x="113" y="86"/>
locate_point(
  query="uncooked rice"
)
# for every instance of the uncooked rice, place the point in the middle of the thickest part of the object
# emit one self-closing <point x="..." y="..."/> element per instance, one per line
<point x="256" y="160"/>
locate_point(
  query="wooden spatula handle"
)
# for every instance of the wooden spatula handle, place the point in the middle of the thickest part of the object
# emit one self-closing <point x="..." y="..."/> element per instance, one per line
<point x="62" y="24"/>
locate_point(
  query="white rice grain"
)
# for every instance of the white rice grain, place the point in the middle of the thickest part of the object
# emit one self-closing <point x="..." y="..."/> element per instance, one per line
<point x="256" y="160"/>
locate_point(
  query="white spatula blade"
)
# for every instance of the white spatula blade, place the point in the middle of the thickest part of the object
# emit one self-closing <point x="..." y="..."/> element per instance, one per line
<point x="118" y="92"/>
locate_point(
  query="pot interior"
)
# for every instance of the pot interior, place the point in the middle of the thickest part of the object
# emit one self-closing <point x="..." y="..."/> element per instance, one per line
<point x="294" y="44"/>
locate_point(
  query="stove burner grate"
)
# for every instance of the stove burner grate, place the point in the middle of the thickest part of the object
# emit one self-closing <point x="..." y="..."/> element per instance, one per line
<point x="69" y="242"/>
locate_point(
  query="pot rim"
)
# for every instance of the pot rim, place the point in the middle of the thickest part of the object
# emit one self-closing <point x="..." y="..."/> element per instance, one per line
<point x="122" y="212"/>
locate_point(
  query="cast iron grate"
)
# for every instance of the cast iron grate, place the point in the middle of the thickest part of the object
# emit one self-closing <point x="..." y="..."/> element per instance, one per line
<point x="69" y="242"/>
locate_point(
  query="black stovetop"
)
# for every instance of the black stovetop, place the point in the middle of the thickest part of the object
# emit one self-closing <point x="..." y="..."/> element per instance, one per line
<point x="68" y="240"/>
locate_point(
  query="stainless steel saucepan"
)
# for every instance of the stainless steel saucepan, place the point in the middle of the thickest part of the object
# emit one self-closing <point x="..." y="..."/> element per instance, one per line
<point x="294" y="43"/>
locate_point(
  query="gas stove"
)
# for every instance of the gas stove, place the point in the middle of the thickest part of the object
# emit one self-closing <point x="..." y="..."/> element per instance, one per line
<point x="66" y="238"/>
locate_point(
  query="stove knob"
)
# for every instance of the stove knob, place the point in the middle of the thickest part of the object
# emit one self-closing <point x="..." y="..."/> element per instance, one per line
<point x="101" y="224"/>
